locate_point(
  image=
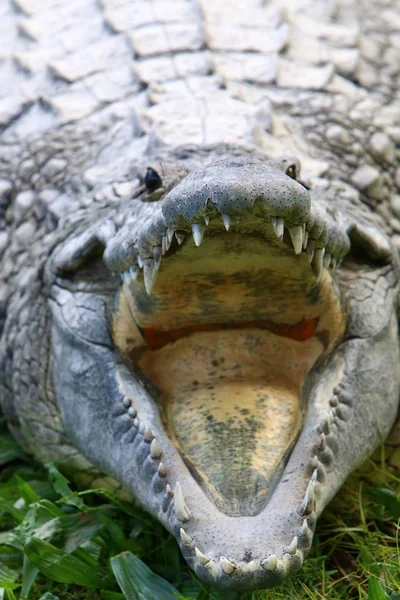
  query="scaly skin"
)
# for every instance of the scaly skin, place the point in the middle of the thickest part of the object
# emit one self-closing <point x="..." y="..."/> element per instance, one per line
<point x="247" y="87"/>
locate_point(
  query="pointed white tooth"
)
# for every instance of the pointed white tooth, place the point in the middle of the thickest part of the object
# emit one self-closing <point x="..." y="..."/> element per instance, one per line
<point x="162" y="471"/>
<point x="314" y="476"/>
<point x="155" y="450"/>
<point x="207" y="220"/>
<point x="140" y="261"/>
<point x="203" y="560"/>
<point x="186" y="539"/>
<point x="126" y="277"/>
<point x="317" y="262"/>
<point x="181" y="509"/>
<point x="296" y="234"/>
<point x="180" y="237"/>
<point x="157" y="254"/>
<point x="170" y="234"/>
<point x="278" y="224"/>
<point x="164" y="243"/>
<point x="227" y="566"/>
<point x="291" y="549"/>
<point x="227" y="221"/>
<point x="134" y="272"/>
<point x="305" y="528"/>
<point x="305" y="239"/>
<point x="307" y="506"/>
<point x="150" y="269"/>
<point x="325" y="426"/>
<point x="197" y="232"/>
<point x="270" y="563"/>
<point x="310" y="249"/>
<point x="169" y="490"/>
<point x="327" y="260"/>
<point x="148" y="434"/>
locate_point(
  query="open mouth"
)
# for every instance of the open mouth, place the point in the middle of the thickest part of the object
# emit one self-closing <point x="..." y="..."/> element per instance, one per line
<point x="227" y="320"/>
<point x="245" y="376"/>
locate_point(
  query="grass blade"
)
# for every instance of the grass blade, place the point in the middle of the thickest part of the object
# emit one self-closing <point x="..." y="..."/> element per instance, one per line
<point x="62" y="567"/>
<point x="137" y="581"/>
<point x="375" y="590"/>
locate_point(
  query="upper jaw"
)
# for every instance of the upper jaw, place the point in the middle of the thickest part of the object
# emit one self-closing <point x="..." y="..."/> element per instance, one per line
<point x="229" y="190"/>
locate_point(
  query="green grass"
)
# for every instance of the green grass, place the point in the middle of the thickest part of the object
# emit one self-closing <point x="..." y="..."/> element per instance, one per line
<point x="60" y="544"/>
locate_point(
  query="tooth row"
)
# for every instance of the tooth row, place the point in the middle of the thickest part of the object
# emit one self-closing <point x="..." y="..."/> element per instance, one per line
<point x="318" y="257"/>
<point x="146" y="432"/>
<point x="299" y="236"/>
<point x="290" y="559"/>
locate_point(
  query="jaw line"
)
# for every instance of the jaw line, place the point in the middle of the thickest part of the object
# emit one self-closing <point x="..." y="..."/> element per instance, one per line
<point x="263" y="549"/>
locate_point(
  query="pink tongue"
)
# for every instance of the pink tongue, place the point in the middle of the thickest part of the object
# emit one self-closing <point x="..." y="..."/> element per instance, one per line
<point x="232" y="408"/>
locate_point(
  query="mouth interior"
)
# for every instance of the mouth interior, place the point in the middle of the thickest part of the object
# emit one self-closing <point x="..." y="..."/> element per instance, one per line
<point x="228" y="335"/>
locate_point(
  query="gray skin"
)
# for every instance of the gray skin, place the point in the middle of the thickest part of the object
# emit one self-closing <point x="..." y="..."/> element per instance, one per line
<point x="80" y="122"/>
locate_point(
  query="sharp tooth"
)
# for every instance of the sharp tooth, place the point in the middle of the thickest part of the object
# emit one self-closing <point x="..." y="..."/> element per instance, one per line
<point x="170" y="234"/>
<point x="279" y="226"/>
<point x="314" y="476"/>
<point x="150" y="269"/>
<point x="157" y="254"/>
<point x="227" y="221"/>
<point x="140" y="261"/>
<point x="270" y="563"/>
<point x="164" y="244"/>
<point x="169" y="490"/>
<point x="292" y="548"/>
<point x="162" y="471"/>
<point x="180" y="237"/>
<point x="296" y="233"/>
<point x="134" y="272"/>
<point x="307" y="506"/>
<point x="317" y="262"/>
<point x="325" y="426"/>
<point x="227" y="566"/>
<point x="186" y="539"/>
<point x="197" y="232"/>
<point x="148" y="434"/>
<point x="126" y="277"/>
<point x="310" y="249"/>
<point x="181" y="510"/>
<point x="305" y="239"/>
<point x="207" y="220"/>
<point x="327" y="260"/>
<point x="203" y="560"/>
<point x="155" y="450"/>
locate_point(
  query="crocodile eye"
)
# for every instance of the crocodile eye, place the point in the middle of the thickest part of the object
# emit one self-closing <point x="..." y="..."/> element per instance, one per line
<point x="291" y="171"/>
<point x="152" y="180"/>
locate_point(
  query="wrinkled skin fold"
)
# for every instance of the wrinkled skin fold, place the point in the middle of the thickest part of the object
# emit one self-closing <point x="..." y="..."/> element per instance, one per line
<point x="289" y="360"/>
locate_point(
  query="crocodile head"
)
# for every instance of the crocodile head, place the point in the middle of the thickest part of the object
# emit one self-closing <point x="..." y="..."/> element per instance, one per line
<point x="240" y="372"/>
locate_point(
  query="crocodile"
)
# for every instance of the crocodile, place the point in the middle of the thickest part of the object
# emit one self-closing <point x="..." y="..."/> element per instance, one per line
<point x="199" y="234"/>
